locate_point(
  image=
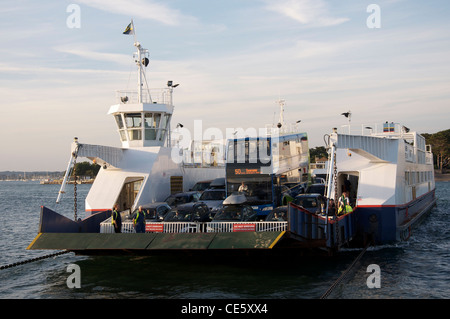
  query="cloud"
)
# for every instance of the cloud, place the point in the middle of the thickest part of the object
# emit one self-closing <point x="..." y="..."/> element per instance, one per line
<point x="83" y="52"/>
<point x="140" y="9"/>
<point x="308" y="12"/>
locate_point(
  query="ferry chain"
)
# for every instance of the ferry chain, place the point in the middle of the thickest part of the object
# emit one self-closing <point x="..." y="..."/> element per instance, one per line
<point x="33" y="259"/>
<point x="345" y="273"/>
<point x="75" y="198"/>
<point x="75" y="190"/>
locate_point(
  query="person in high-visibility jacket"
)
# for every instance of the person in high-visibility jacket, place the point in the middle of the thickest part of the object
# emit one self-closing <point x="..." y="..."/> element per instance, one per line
<point x="116" y="219"/>
<point x="344" y="204"/>
<point x="139" y="220"/>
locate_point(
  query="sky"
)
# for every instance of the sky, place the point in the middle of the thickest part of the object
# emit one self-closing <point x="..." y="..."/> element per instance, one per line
<point x="62" y="61"/>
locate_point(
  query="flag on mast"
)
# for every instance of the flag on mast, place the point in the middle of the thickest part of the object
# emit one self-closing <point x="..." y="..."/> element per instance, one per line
<point x="129" y="29"/>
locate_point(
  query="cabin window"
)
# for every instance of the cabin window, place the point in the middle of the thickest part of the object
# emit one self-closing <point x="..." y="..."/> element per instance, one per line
<point x="133" y="122"/>
<point x="134" y="135"/>
<point x="123" y="135"/>
<point x="150" y="130"/>
<point x="152" y="122"/>
<point x="164" y="123"/>
<point x="119" y="121"/>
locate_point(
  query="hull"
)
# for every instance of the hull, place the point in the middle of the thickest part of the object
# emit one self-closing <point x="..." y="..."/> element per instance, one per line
<point x="386" y="224"/>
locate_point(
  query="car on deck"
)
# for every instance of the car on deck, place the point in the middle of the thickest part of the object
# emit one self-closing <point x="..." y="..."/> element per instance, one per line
<point x="189" y="212"/>
<point x="314" y="203"/>
<point x="182" y="198"/>
<point x="213" y="198"/>
<point x="235" y="208"/>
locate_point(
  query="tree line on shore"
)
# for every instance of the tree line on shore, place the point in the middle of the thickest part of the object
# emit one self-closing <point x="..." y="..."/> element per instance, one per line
<point x="440" y="146"/>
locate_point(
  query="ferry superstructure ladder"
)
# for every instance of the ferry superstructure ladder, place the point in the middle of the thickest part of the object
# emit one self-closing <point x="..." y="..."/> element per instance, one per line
<point x="331" y="171"/>
<point x="70" y="166"/>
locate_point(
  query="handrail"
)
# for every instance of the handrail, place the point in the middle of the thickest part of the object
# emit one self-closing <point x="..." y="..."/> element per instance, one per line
<point x="190" y="227"/>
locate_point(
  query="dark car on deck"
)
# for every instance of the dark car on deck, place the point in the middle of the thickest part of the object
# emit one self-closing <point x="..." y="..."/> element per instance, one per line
<point x="201" y="186"/>
<point x="235" y="209"/>
<point x="279" y="214"/>
<point x="236" y="213"/>
<point x="155" y="212"/>
<point x="182" y="198"/>
<point x="295" y="188"/>
<point x="213" y="198"/>
<point x="315" y="203"/>
<point x="189" y="212"/>
<point x="316" y="189"/>
<point x="218" y="183"/>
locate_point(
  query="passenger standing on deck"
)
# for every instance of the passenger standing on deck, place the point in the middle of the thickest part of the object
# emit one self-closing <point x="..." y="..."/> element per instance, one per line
<point x="331" y="208"/>
<point x="139" y="220"/>
<point x="116" y="219"/>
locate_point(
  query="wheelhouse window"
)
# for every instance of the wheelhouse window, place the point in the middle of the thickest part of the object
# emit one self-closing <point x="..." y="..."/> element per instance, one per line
<point x="133" y="122"/>
<point x="151" y="122"/>
<point x="120" y="125"/>
<point x="119" y="121"/>
<point x="164" y="122"/>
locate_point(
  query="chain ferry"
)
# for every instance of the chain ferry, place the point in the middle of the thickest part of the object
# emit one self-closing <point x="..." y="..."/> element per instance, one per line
<point x="387" y="170"/>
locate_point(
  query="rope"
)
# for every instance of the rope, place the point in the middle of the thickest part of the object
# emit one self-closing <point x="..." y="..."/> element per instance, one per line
<point x="33" y="259"/>
<point x="344" y="274"/>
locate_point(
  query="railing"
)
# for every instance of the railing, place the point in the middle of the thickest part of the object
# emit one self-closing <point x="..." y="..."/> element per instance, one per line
<point x="384" y="129"/>
<point x="193" y="227"/>
<point x="228" y="227"/>
<point x="161" y="96"/>
<point x="334" y="231"/>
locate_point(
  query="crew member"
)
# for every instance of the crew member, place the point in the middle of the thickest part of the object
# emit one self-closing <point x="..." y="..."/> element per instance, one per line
<point x="344" y="204"/>
<point x="116" y="219"/>
<point x="139" y="220"/>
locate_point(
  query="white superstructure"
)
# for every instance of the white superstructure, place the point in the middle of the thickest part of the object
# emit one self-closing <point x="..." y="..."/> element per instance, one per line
<point x="146" y="168"/>
<point x="389" y="173"/>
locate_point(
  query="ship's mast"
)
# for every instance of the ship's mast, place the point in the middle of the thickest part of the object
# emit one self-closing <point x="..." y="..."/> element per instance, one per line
<point x="138" y="46"/>
<point x="281" y="103"/>
<point x="142" y="62"/>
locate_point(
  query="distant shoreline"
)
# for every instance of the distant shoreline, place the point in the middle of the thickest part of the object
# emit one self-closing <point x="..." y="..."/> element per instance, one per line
<point x="441" y="177"/>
